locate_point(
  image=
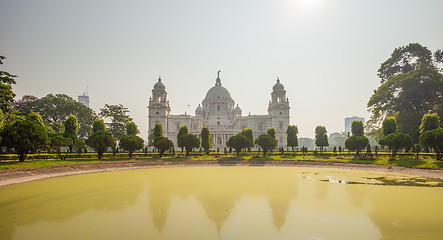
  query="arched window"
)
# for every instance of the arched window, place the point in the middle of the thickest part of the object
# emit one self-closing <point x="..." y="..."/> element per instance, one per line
<point x="218" y="108"/>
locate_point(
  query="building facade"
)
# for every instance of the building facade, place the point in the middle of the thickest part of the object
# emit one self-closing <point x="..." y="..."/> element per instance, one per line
<point x="220" y="114"/>
<point x="84" y="99"/>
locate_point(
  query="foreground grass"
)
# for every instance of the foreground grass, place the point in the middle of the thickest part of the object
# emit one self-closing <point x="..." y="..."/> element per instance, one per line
<point x="403" y="161"/>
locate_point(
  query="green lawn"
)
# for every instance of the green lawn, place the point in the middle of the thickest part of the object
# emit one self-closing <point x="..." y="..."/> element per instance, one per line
<point x="404" y="161"/>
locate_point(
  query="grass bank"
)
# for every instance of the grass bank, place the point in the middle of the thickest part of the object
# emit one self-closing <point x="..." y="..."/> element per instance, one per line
<point x="410" y="161"/>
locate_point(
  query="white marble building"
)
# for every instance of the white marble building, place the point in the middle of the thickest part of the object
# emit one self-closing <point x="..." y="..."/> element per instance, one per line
<point x="219" y="113"/>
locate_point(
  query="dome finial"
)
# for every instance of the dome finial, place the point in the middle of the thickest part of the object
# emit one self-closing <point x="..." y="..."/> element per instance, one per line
<point x="278" y="79"/>
<point x="159" y="78"/>
<point x="218" y="81"/>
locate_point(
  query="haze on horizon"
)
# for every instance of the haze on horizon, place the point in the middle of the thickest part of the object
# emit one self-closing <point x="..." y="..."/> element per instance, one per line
<point x="325" y="52"/>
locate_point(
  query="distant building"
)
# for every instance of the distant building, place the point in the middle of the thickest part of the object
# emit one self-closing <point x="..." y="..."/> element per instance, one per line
<point x="84" y="99"/>
<point x="219" y="113"/>
<point x="348" y="123"/>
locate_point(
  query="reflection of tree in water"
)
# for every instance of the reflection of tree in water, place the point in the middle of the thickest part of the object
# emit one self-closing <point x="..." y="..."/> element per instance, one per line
<point x="402" y="212"/>
<point x="59" y="200"/>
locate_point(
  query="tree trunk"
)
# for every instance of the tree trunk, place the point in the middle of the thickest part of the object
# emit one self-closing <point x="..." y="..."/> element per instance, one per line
<point x="99" y="154"/>
<point x="130" y="154"/>
<point x="264" y="153"/>
<point x="238" y="153"/>
<point x="21" y="157"/>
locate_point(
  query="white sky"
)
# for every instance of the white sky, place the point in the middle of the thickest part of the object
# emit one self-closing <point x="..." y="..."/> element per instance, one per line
<point x="326" y="52"/>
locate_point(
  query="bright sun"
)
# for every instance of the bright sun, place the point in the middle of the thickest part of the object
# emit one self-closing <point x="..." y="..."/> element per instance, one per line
<point x="307" y="4"/>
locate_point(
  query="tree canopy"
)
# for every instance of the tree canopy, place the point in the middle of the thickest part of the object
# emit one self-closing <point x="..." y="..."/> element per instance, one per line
<point x="189" y="141"/>
<point x="163" y="144"/>
<point x="431" y="134"/>
<point x="291" y="136"/>
<point x="321" y="137"/>
<point x="266" y="142"/>
<point x="181" y="132"/>
<point x="357" y="141"/>
<point x="6" y="93"/>
<point x="57" y="108"/>
<point x="100" y="141"/>
<point x="271" y="132"/>
<point x="411" y="86"/>
<point x="24" y="136"/>
<point x="247" y="132"/>
<point x="131" y="143"/>
<point x="206" y="139"/>
<point x="119" y="118"/>
<point x="238" y="142"/>
<point x="389" y="126"/>
<point x="357" y="128"/>
<point x="429" y="122"/>
<point x="71" y="129"/>
<point x="132" y="129"/>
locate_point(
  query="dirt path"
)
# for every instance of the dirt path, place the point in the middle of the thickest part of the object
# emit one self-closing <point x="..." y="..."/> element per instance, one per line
<point x="20" y="175"/>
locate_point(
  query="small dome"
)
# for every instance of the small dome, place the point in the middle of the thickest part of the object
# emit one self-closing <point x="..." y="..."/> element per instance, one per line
<point x="278" y="86"/>
<point x="159" y="85"/>
<point x="199" y="109"/>
<point x="237" y="109"/>
<point x="218" y="93"/>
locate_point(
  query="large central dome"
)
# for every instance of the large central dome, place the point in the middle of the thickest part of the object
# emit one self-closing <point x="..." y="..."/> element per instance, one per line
<point x="218" y="93"/>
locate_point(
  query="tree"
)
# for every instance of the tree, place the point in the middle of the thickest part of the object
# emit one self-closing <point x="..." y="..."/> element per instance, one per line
<point x="71" y="129"/>
<point x="238" y="142"/>
<point x="56" y="109"/>
<point x="392" y="138"/>
<point x="132" y="129"/>
<point x="35" y="118"/>
<point x="24" y="136"/>
<point x="54" y="129"/>
<point x="100" y="139"/>
<point x="163" y="144"/>
<point x="271" y="132"/>
<point x="206" y="139"/>
<point x="266" y="142"/>
<point x="396" y="141"/>
<point x="119" y="118"/>
<point x="57" y="142"/>
<point x="189" y="142"/>
<point x="131" y="143"/>
<point x="429" y="122"/>
<point x="357" y="128"/>
<point x="357" y="141"/>
<point x="157" y="132"/>
<point x="431" y="134"/>
<point x="405" y="59"/>
<point x="411" y="86"/>
<point x="321" y="139"/>
<point x="433" y="139"/>
<point x="6" y="93"/>
<point x="99" y="125"/>
<point x="291" y="136"/>
<point x="247" y="132"/>
<point x="389" y="126"/>
<point x="181" y="132"/>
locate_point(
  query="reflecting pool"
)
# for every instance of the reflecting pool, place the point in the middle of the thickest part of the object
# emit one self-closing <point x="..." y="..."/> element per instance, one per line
<point x="224" y="203"/>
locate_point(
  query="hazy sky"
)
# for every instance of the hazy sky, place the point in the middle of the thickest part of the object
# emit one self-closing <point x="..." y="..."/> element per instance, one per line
<point x="326" y="52"/>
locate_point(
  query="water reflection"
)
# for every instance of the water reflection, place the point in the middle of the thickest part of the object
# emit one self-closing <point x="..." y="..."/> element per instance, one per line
<point x="221" y="203"/>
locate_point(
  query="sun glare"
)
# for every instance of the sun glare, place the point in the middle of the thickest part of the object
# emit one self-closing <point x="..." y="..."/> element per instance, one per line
<point x="307" y="4"/>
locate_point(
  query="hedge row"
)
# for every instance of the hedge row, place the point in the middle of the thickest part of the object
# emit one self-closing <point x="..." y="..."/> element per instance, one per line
<point x="91" y="155"/>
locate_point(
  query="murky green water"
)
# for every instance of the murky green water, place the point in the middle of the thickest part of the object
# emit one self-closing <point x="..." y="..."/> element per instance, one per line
<point x="223" y="203"/>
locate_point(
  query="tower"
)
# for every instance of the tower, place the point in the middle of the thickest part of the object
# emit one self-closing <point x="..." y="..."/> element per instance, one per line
<point x="158" y="107"/>
<point x="279" y="112"/>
